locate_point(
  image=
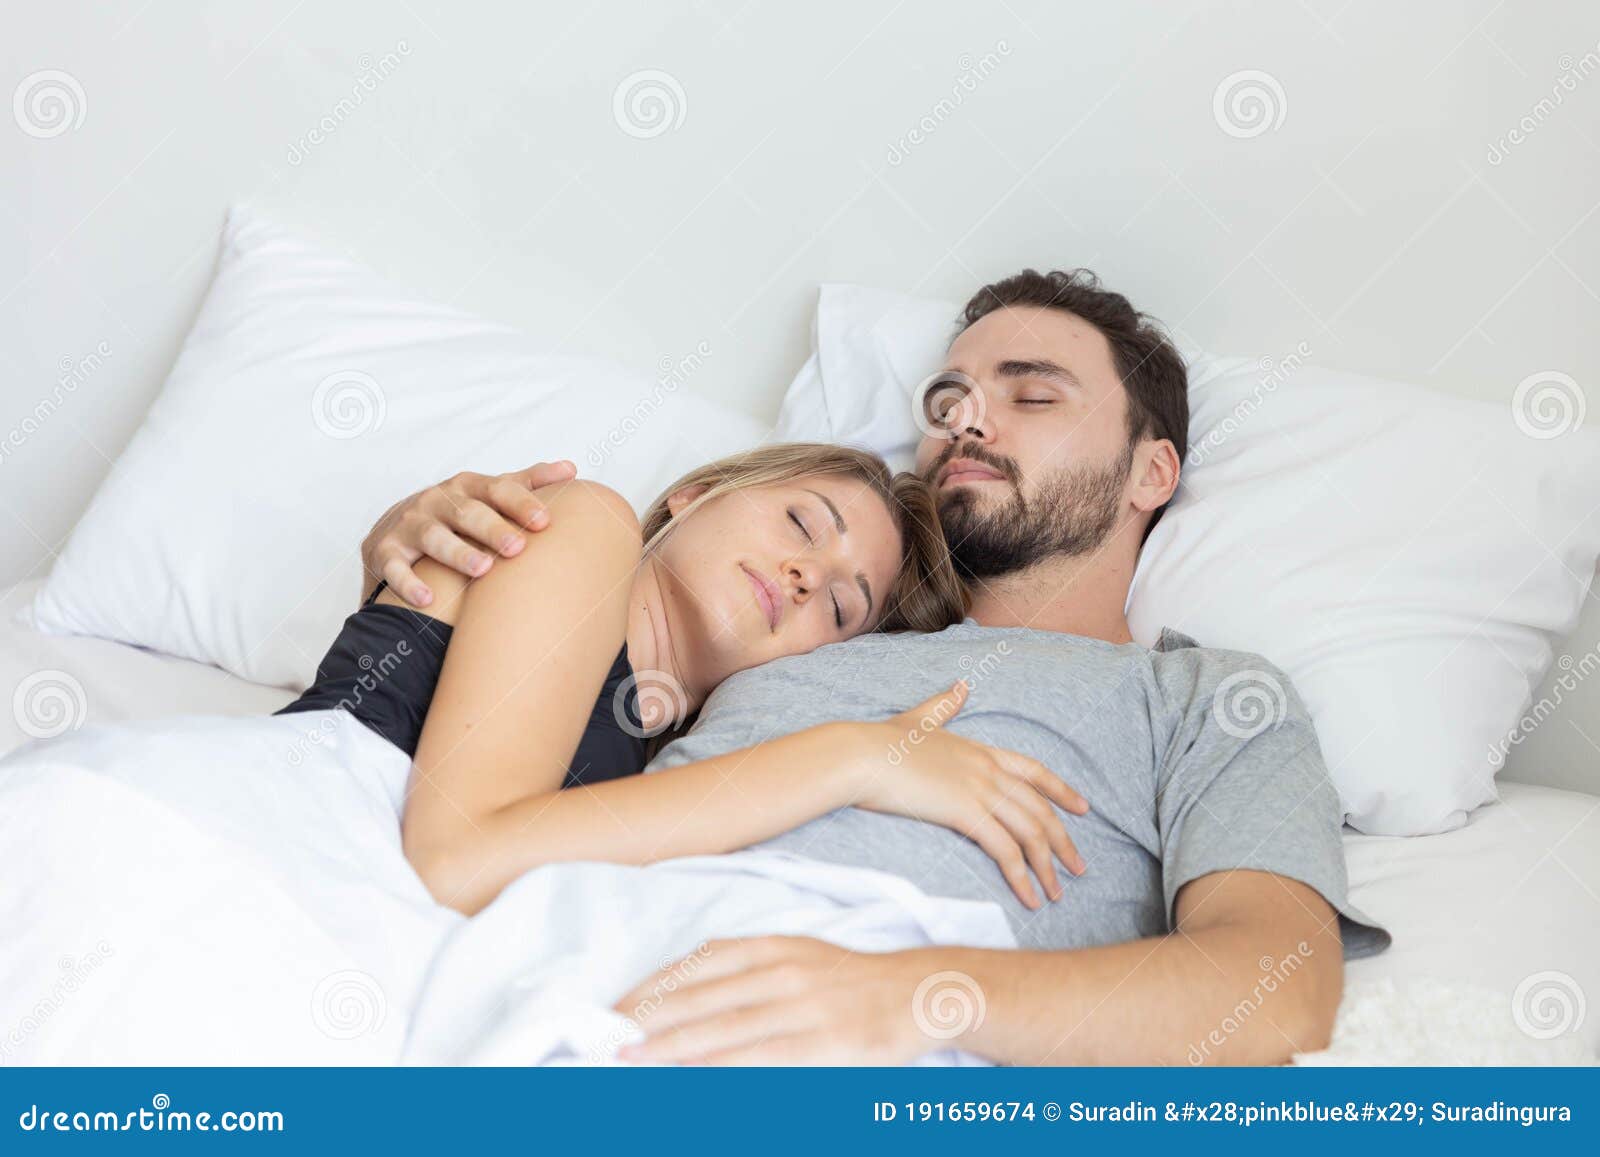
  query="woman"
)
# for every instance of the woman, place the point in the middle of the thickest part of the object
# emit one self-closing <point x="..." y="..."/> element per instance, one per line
<point x="524" y="696"/>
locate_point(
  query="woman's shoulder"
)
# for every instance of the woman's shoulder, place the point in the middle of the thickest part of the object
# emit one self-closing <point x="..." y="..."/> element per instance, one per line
<point x="597" y="507"/>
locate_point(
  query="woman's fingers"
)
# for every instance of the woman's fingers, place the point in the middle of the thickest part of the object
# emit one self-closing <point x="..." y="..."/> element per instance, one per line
<point x="998" y="843"/>
<point x="937" y="710"/>
<point x="1056" y="832"/>
<point x="1028" y="829"/>
<point x="1043" y="780"/>
<point x="1036" y="787"/>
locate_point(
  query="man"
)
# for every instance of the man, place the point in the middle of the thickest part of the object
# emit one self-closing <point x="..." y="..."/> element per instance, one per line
<point x="1211" y="922"/>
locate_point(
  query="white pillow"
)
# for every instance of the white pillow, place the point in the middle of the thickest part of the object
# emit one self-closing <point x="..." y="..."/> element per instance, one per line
<point x="873" y="348"/>
<point x="310" y="396"/>
<point x="1410" y="559"/>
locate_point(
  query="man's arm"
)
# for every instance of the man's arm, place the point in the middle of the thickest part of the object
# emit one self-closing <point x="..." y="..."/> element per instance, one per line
<point x="1252" y="974"/>
<point x="463" y="522"/>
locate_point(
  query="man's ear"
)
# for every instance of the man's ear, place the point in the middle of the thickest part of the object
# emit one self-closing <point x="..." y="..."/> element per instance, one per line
<point x="1154" y="474"/>
<point x="679" y="500"/>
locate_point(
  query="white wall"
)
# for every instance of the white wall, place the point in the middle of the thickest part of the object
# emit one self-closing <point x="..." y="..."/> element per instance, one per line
<point x="1387" y="222"/>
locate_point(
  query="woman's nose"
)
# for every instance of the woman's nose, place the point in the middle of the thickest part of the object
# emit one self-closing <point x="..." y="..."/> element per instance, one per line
<point x="805" y="577"/>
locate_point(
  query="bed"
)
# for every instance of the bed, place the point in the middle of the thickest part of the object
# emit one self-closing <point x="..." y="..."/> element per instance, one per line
<point x="1496" y="925"/>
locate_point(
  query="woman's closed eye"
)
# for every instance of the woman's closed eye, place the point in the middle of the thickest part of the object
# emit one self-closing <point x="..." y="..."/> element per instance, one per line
<point x="805" y="532"/>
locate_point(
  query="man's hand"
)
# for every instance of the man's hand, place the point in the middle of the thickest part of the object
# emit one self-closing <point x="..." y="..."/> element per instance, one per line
<point x="462" y="522"/>
<point x="783" y="1000"/>
<point x="1252" y="975"/>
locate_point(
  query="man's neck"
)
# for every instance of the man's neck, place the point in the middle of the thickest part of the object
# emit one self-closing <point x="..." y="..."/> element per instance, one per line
<point x="1074" y="594"/>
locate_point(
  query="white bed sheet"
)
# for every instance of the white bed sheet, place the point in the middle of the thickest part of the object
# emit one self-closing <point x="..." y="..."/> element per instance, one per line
<point x="1509" y="904"/>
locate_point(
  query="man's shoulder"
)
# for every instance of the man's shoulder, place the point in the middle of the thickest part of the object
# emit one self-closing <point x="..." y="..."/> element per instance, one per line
<point x="1194" y="675"/>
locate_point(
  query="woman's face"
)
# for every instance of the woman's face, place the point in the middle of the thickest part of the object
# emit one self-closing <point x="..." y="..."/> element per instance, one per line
<point x="768" y="571"/>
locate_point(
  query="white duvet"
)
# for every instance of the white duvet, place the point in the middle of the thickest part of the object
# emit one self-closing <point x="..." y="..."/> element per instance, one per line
<point x="232" y="891"/>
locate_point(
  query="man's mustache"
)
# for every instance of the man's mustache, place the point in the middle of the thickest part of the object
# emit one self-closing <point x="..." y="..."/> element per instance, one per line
<point x="976" y="453"/>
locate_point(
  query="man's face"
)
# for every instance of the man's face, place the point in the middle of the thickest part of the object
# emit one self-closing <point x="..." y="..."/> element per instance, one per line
<point x="1033" y="458"/>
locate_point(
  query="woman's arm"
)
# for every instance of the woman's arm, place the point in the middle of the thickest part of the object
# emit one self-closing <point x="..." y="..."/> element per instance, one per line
<point x="532" y="644"/>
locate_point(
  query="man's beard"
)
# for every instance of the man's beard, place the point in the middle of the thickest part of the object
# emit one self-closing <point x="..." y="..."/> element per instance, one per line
<point x="1073" y="514"/>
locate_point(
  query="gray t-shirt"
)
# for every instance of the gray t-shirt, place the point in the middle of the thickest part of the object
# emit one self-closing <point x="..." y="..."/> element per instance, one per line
<point x="1193" y="760"/>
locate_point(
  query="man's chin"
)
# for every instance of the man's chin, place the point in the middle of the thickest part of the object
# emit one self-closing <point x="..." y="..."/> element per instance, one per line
<point x="973" y="498"/>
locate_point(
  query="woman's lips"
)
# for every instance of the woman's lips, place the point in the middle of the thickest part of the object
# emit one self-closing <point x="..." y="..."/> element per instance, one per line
<point x="767" y="596"/>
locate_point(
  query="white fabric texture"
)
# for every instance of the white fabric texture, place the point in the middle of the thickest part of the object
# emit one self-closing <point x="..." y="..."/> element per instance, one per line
<point x="223" y="891"/>
<point x="58" y="683"/>
<point x="1431" y="1022"/>
<point x="309" y="396"/>
<point x="233" y="891"/>
<point x="210" y="891"/>
<point x="1507" y="904"/>
<point x="1409" y="558"/>
<point x="532" y="980"/>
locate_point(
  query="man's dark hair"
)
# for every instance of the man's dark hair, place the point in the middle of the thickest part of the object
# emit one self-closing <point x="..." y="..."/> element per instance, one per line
<point x="1151" y="369"/>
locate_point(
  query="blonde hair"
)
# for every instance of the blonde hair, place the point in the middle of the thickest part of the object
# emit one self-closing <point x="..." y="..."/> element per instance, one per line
<point x="926" y="595"/>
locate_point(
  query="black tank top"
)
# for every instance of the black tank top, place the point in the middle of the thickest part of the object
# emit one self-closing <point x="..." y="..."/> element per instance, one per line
<point x="385" y="664"/>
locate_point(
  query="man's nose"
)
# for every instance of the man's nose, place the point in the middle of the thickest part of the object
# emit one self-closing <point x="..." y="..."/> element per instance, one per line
<point x="969" y="418"/>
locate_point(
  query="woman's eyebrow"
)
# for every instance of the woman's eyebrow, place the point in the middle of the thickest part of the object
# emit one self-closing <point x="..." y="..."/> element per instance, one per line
<point x="1037" y="368"/>
<point x="838" y="519"/>
<point x="838" y="522"/>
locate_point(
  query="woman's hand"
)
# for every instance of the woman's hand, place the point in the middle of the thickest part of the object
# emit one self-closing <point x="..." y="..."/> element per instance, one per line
<point x="998" y="799"/>
<point x="462" y="522"/>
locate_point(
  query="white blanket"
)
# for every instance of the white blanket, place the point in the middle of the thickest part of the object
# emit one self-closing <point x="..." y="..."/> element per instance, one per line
<point x="233" y="891"/>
